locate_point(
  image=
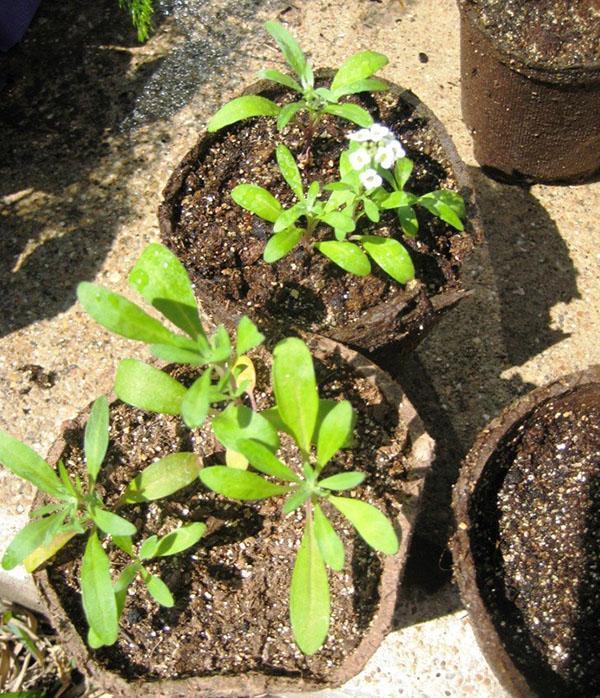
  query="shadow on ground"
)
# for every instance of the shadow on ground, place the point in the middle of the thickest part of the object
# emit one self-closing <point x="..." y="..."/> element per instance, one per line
<point x="83" y="111"/>
<point x="454" y="376"/>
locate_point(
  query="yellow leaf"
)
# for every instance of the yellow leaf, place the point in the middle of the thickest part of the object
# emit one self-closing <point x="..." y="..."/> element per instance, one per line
<point x="236" y="460"/>
<point x="44" y="552"/>
<point x="243" y="370"/>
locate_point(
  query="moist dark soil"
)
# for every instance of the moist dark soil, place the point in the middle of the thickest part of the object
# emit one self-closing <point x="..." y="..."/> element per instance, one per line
<point x="536" y="542"/>
<point x="231" y="589"/>
<point x="221" y="244"/>
<point x="551" y="33"/>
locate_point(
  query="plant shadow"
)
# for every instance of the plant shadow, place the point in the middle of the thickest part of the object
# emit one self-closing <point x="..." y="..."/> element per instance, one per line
<point x="454" y="376"/>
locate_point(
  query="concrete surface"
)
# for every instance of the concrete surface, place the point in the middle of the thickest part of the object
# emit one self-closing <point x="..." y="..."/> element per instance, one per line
<point x="92" y="124"/>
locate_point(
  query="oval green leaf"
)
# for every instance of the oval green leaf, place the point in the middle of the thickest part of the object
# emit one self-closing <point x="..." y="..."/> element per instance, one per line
<point x="346" y="255"/>
<point x="248" y="336"/>
<point x="257" y="200"/>
<point x="391" y="256"/>
<point x="239" y="484"/>
<point x="309" y="595"/>
<point x="350" y="112"/>
<point x="280" y="78"/>
<point x="238" y="422"/>
<point x="24" y="462"/>
<point x="330" y="544"/>
<point x="242" y="108"/>
<point x="370" y="523"/>
<point x="159" y="591"/>
<point x="261" y="458"/>
<point x="343" y="481"/>
<point x="148" y="388"/>
<point x="179" y="540"/>
<point x="112" y="524"/>
<point x="30" y="538"/>
<point x="96" y="436"/>
<point x="281" y="243"/>
<point x="359" y="66"/>
<point x="335" y="430"/>
<point x="163" y="477"/>
<point x="289" y="169"/>
<point x="196" y="401"/>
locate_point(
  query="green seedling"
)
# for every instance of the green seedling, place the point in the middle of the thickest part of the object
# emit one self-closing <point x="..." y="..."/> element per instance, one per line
<point x="78" y="509"/>
<point x="354" y="76"/>
<point x="319" y="428"/>
<point x="162" y="281"/>
<point x="348" y="201"/>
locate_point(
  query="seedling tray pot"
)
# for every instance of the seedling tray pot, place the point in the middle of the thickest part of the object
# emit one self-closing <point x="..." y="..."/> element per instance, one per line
<point x="415" y="451"/>
<point x="407" y="314"/>
<point x="530" y="122"/>
<point x="511" y="640"/>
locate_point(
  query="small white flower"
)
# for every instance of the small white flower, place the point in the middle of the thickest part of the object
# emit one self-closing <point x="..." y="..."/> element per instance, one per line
<point x="385" y="157"/>
<point x="370" y="179"/>
<point x="361" y="136"/>
<point x="378" y="132"/>
<point x="359" y="159"/>
<point x="396" y="148"/>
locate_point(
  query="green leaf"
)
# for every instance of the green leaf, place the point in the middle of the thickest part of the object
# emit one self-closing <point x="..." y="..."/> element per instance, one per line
<point x="325" y="407"/>
<point x="346" y="255"/>
<point x="334" y="431"/>
<point x="289" y="47"/>
<point x="312" y="194"/>
<point x="148" y="548"/>
<point x="274" y="418"/>
<point x="402" y="171"/>
<point x="369" y="522"/>
<point x="161" y="279"/>
<point x="148" y="388"/>
<point x="163" y="477"/>
<point x="397" y="199"/>
<point x="158" y="590"/>
<point x="96" y="437"/>
<point x="239" y="484"/>
<point x="280" y="78"/>
<point x="238" y="422"/>
<point x="330" y="544"/>
<point x="445" y="204"/>
<point x="391" y="256"/>
<point x="289" y="169"/>
<point x="97" y="595"/>
<point x="288" y="112"/>
<point x="257" y="200"/>
<point x="297" y="498"/>
<point x="122" y="584"/>
<point x="177" y="355"/>
<point x="288" y="217"/>
<point x="220" y="346"/>
<point x="295" y="387"/>
<point x="179" y="540"/>
<point x="280" y="244"/>
<point x="196" y="401"/>
<point x="343" y="481"/>
<point x="340" y="222"/>
<point x="112" y="524"/>
<point x="367" y="85"/>
<point x="31" y="537"/>
<point x="371" y="209"/>
<point x="359" y="66"/>
<point x="25" y="463"/>
<point x="350" y="112"/>
<point x="242" y="108"/>
<point x="47" y="550"/>
<point x="261" y="458"/>
<point x="408" y="221"/>
<point x="309" y="595"/>
<point x="248" y="336"/>
<point x="121" y="316"/>
<point x="64" y="478"/>
<point x="124" y="543"/>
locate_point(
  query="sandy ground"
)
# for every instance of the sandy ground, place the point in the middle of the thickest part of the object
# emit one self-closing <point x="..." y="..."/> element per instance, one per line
<point x="92" y="124"/>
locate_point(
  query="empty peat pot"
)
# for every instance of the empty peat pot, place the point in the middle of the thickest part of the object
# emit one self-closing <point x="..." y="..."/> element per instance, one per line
<point x="221" y="244"/>
<point x="530" y="78"/>
<point x="228" y="633"/>
<point x="527" y="546"/>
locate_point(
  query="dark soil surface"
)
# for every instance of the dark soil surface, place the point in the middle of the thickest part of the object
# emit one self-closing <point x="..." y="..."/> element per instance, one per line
<point x="221" y="244"/>
<point x="555" y="33"/>
<point x="536" y="534"/>
<point x="231" y="590"/>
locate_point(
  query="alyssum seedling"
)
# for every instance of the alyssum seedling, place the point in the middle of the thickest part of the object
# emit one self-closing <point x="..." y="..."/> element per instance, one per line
<point x="320" y="428"/>
<point x="354" y="76"/>
<point x="375" y="160"/>
<point x="78" y="509"/>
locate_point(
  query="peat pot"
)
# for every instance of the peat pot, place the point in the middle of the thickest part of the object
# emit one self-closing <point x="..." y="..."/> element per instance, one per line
<point x="221" y="244"/>
<point x="527" y="546"/>
<point x="530" y="77"/>
<point x="228" y="633"/>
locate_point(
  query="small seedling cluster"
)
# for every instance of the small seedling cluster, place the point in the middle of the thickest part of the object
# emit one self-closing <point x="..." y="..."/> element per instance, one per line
<point x="373" y="173"/>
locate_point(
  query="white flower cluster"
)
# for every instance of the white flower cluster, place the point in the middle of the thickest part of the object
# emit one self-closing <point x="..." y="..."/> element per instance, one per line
<point x="380" y="147"/>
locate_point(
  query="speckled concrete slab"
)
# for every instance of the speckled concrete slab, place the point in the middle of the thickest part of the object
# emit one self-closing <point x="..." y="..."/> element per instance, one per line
<point x="93" y="124"/>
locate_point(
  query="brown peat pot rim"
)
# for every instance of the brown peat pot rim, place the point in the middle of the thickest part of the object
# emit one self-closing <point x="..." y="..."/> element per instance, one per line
<point x="388" y="322"/>
<point x="465" y="571"/>
<point x="577" y="74"/>
<point x="258" y="683"/>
